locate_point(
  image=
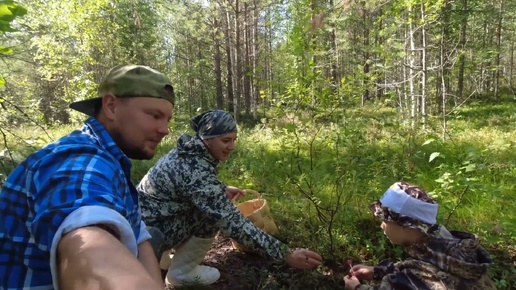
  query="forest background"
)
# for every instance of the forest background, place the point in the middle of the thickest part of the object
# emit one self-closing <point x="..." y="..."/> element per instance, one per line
<point x="335" y="102"/>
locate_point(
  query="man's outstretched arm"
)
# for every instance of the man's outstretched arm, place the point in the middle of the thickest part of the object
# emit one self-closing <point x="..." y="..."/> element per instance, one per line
<point x="92" y="258"/>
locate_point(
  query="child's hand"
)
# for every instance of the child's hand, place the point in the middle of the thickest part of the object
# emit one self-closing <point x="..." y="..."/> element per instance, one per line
<point x="351" y="282"/>
<point x="350" y="264"/>
<point x="362" y="272"/>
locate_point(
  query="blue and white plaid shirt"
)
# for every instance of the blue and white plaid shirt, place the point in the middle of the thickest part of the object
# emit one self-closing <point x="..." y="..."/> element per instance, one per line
<point x="82" y="179"/>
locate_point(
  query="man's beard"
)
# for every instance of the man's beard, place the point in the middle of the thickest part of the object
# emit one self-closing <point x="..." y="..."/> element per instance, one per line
<point x="130" y="151"/>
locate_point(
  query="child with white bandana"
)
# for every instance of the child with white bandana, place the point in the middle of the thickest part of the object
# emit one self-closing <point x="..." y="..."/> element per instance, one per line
<point x="438" y="259"/>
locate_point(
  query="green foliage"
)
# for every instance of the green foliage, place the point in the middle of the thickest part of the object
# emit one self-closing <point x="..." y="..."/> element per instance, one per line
<point x="9" y="10"/>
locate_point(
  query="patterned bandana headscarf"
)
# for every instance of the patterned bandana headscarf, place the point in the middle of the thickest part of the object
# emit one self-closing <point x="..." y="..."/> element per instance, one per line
<point x="408" y="206"/>
<point x="213" y="124"/>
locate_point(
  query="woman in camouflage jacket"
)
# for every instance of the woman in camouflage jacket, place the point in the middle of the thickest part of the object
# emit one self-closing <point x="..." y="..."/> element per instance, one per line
<point x="182" y="197"/>
<point x="438" y="259"/>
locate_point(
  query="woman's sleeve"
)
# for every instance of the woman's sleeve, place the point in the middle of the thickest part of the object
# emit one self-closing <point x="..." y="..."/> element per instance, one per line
<point x="208" y="194"/>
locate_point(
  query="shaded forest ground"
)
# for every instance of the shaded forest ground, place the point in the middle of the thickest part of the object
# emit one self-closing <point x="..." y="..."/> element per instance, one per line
<point x="241" y="270"/>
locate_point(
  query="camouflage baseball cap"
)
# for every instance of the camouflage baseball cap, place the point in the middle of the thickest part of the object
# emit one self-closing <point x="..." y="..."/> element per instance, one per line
<point x="125" y="81"/>
<point x="212" y="124"/>
<point x="409" y="206"/>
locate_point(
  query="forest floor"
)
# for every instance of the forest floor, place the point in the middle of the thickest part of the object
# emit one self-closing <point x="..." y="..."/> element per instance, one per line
<point x="247" y="271"/>
<point x="241" y="270"/>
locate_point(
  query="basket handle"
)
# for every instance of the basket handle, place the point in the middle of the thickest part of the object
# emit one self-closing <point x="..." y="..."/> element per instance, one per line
<point x="253" y="192"/>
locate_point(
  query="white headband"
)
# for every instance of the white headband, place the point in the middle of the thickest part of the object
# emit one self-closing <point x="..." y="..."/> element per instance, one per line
<point x="399" y="201"/>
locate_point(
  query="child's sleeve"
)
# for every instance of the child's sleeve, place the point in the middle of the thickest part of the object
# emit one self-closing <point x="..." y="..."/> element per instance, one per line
<point x="401" y="280"/>
<point x="385" y="267"/>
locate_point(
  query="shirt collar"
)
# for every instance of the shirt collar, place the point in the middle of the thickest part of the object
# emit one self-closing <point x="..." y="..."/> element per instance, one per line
<point x="96" y="129"/>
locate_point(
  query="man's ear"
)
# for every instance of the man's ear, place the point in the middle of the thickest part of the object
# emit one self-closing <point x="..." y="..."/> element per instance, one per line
<point x="109" y="103"/>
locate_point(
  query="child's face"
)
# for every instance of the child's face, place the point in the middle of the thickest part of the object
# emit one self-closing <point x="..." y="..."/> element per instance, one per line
<point x="394" y="232"/>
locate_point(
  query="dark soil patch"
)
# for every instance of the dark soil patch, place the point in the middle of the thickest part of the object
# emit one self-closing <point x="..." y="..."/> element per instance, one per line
<point x="241" y="270"/>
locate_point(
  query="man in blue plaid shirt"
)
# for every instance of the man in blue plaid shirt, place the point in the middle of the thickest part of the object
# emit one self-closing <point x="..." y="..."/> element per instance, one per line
<point x="69" y="213"/>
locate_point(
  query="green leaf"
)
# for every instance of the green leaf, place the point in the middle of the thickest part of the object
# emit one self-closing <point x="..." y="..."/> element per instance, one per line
<point x="470" y="167"/>
<point x="428" y="141"/>
<point x="2" y="83"/>
<point x="14" y="8"/>
<point x="8" y="11"/>
<point x="5" y="50"/>
<point x="433" y="156"/>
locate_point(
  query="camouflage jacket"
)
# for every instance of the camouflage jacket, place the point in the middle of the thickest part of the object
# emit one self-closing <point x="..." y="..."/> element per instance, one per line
<point x="185" y="180"/>
<point x="454" y="263"/>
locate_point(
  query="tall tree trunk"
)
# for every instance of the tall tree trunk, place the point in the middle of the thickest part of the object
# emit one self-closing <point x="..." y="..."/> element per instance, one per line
<point x="200" y="85"/>
<point x="484" y="67"/>
<point x="412" y="64"/>
<point x="335" y="56"/>
<point x="498" y="49"/>
<point x="404" y="103"/>
<point x="217" y="66"/>
<point x="313" y="49"/>
<point x="462" y="45"/>
<point x="380" y="73"/>
<point x="255" y="39"/>
<point x="270" y="60"/>
<point x="190" y="86"/>
<point x="229" y="63"/>
<point x="365" y="41"/>
<point x="445" y="65"/>
<point x="238" y="64"/>
<point x="247" y="61"/>
<point x="511" y="63"/>
<point x="423" y="63"/>
<point x="444" y="89"/>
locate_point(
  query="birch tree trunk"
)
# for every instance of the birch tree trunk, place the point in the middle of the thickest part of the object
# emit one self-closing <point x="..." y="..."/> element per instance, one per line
<point x="443" y="80"/>
<point x="423" y="63"/>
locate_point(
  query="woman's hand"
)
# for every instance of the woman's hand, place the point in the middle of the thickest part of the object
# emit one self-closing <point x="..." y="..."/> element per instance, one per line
<point x="351" y="282"/>
<point x="234" y="193"/>
<point x="362" y="272"/>
<point x="303" y="259"/>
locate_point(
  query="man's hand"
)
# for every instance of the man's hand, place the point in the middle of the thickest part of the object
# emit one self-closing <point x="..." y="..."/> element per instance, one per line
<point x="234" y="193"/>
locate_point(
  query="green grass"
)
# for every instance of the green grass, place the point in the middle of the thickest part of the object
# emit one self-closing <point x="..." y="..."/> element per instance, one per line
<point x="319" y="177"/>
